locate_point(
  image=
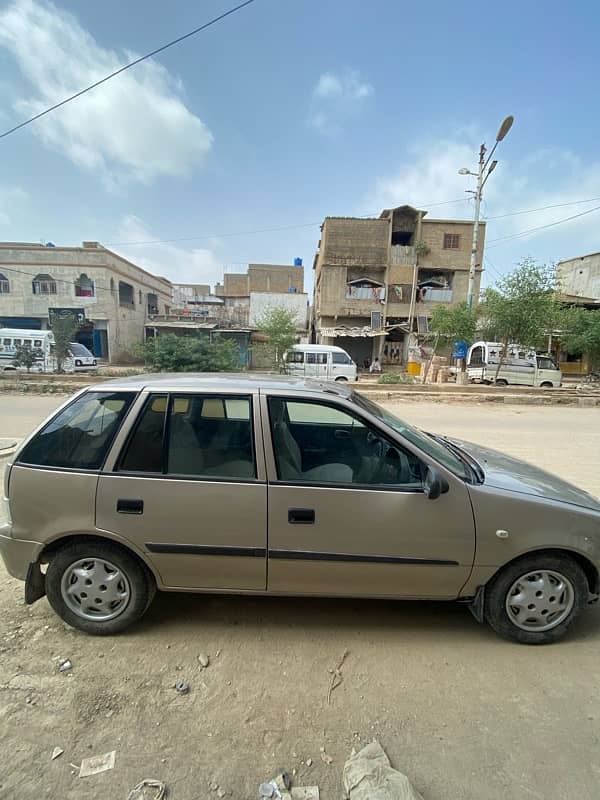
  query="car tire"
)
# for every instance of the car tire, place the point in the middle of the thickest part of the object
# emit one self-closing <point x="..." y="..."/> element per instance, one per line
<point x="562" y="594"/>
<point x="546" y="385"/>
<point x="501" y="382"/>
<point x="341" y="379"/>
<point x="120" y="588"/>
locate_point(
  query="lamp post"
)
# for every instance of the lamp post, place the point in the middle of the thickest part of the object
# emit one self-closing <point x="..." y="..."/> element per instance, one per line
<point x="485" y="169"/>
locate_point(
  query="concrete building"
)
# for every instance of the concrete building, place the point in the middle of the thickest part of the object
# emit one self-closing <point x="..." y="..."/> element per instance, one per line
<point x="278" y="278"/>
<point x="579" y="280"/>
<point x="377" y="281"/>
<point x="579" y="284"/>
<point x="113" y="297"/>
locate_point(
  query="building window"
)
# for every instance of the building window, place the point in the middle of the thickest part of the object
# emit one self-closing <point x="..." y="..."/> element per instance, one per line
<point x="112" y="285"/>
<point x="152" y="300"/>
<point x="126" y="295"/>
<point x="84" y="287"/>
<point x="140" y="296"/>
<point x="451" y="241"/>
<point x="4" y="284"/>
<point x="44" y="284"/>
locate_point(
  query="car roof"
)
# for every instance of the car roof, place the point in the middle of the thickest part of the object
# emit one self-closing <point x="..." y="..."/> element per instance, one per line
<point x="329" y="348"/>
<point x="218" y="381"/>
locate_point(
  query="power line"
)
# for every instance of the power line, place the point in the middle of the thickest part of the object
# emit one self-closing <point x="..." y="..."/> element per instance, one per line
<point x="128" y="66"/>
<point x="544" y="208"/>
<point x="263" y="230"/>
<point x="520" y="234"/>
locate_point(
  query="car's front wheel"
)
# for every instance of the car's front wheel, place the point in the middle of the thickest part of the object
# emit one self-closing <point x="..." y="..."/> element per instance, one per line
<point x="536" y="600"/>
<point x="98" y="587"/>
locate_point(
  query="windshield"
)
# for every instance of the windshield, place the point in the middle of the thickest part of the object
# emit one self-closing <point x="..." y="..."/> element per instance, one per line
<point x="79" y="349"/>
<point x="413" y="435"/>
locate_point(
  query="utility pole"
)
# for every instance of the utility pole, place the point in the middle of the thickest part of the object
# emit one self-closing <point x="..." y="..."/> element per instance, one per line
<point x="482" y="175"/>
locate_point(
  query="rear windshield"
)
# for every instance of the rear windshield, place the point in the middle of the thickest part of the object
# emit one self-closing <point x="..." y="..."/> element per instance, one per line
<point x="80" y="436"/>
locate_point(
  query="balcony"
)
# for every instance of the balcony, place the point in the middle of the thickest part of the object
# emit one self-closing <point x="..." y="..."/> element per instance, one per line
<point x="437" y="295"/>
<point x="403" y="255"/>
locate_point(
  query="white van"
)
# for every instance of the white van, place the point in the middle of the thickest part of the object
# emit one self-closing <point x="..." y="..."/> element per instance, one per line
<point x="78" y="357"/>
<point x="40" y="341"/>
<point x="521" y="366"/>
<point x="321" y="361"/>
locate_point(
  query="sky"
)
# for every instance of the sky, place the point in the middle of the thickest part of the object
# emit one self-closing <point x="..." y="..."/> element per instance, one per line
<point x="236" y="143"/>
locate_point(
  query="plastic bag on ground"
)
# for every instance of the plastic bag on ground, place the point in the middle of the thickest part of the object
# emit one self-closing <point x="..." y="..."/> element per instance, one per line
<point x="368" y="775"/>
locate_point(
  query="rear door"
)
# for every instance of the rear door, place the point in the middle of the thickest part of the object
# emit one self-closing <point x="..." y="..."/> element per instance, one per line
<point x="317" y="364"/>
<point x="188" y="488"/>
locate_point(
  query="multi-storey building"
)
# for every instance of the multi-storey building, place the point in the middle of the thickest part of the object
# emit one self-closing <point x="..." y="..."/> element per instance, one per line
<point x="112" y="297"/>
<point x="377" y="281"/>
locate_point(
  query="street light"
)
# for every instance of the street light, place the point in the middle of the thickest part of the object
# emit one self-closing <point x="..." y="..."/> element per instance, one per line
<point x="486" y="167"/>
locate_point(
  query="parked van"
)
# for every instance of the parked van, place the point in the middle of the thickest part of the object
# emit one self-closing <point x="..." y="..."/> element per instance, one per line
<point x="40" y="341"/>
<point x="78" y="357"/>
<point x="321" y="361"/>
<point x="520" y="366"/>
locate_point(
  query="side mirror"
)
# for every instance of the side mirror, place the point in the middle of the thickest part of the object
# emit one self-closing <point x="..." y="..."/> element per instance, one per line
<point x="434" y="485"/>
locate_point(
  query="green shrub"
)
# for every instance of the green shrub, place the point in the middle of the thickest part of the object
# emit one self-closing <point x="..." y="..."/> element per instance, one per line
<point x="171" y="353"/>
<point x="396" y="377"/>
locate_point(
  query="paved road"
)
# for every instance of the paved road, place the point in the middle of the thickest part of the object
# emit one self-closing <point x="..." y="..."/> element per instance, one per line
<point x="466" y="715"/>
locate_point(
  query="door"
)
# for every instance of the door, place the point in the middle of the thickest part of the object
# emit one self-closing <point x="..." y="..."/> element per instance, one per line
<point x="317" y="365"/>
<point x="342" y="366"/>
<point x="347" y="512"/>
<point x="189" y="490"/>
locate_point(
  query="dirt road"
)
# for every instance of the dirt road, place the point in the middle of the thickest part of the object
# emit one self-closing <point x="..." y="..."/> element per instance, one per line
<point x="466" y="715"/>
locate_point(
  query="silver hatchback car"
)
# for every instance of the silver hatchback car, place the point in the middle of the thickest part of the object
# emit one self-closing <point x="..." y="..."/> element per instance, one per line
<point x="216" y="483"/>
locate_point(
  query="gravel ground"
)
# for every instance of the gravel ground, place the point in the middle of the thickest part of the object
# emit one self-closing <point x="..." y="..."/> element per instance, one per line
<point x="463" y="713"/>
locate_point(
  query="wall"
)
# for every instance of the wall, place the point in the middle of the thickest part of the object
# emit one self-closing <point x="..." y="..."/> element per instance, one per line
<point x="432" y="234"/>
<point x="275" y="278"/>
<point x="349" y="241"/>
<point x="125" y="325"/>
<point x="235" y="284"/>
<point x="260" y="302"/>
<point x="580" y="277"/>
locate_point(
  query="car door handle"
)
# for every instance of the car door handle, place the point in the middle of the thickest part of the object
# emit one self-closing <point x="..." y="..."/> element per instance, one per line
<point x="130" y="506"/>
<point x="301" y="516"/>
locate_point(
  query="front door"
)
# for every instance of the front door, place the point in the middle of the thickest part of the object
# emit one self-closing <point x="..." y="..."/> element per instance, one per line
<point x="347" y="512"/>
<point x="189" y="490"/>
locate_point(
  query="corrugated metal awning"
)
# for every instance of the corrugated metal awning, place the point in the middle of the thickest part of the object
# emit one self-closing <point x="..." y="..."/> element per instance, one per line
<point x="365" y="332"/>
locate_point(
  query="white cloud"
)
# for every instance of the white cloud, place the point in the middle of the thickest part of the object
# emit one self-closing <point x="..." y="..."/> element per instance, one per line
<point x="541" y="178"/>
<point x="12" y="203"/>
<point x="178" y="264"/>
<point x="134" y="126"/>
<point x="336" y="98"/>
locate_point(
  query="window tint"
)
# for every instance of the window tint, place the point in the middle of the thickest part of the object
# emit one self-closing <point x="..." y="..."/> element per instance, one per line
<point x="206" y="436"/>
<point x="81" y="435"/>
<point x="145" y="449"/>
<point x="320" y="443"/>
<point x="210" y="436"/>
<point x="341" y="358"/>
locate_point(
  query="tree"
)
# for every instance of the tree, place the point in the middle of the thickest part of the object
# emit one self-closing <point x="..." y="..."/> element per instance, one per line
<point x="522" y="307"/>
<point x="454" y="323"/>
<point x="26" y="356"/>
<point x="64" y="329"/>
<point x="582" y="334"/>
<point x="278" y="325"/>
<point x="171" y="353"/>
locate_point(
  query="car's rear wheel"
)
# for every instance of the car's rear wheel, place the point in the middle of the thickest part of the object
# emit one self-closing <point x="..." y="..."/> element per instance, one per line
<point x="501" y="382"/>
<point x="536" y="599"/>
<point x="98" y="587"/>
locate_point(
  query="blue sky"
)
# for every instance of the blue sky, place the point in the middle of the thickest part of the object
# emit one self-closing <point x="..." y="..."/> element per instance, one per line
<point x="289" y="111"/>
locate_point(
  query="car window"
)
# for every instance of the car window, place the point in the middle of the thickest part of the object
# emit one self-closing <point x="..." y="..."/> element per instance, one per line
<point x="80" y="436"/>
<point x="204" y="437"/>
<point x="546" y="363"/>
<point x="319" y="443"/>
<point x="144" y="451"/>
<point x="341" y="358"/>
<point x="416" y="437"/>
<point x="316" y="358"/>
<point x="294" y="357"/>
